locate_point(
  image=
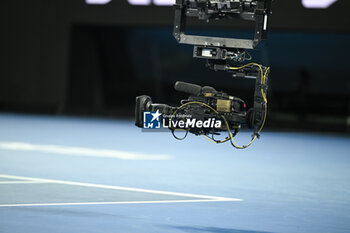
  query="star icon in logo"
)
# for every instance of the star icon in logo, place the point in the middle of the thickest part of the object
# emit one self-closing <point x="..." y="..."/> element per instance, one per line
<point x="156" y="115"/>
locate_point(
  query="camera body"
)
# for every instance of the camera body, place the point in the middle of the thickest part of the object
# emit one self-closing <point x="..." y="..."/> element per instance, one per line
<point x="215" y="109"/>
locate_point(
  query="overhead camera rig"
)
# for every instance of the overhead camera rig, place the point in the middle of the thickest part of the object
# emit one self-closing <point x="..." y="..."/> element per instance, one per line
<point x="222" y="54"/>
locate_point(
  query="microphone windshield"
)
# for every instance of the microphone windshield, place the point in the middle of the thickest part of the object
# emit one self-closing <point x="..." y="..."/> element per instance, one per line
<point x="188" y="88"/>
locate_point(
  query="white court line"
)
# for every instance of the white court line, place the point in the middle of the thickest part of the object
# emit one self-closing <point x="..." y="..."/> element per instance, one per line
<point x="109" y="203"/>
<point x="206" y="197"/>
<point x="22" y="182"/>
<point x="81" y="151"/>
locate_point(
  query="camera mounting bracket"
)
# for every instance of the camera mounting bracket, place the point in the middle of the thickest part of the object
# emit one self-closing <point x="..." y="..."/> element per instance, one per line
<point x="253" y="10"/>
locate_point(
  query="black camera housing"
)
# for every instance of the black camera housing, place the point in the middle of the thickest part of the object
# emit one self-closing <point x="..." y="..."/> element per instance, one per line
<point x="231" y="107"/>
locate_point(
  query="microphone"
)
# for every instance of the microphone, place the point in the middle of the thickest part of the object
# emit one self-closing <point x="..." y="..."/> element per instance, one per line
<point x="188" y="88"/>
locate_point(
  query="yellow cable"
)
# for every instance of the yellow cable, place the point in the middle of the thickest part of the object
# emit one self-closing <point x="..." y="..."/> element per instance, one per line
<point x="263" y="81"/>
<point x="206" y="105"/>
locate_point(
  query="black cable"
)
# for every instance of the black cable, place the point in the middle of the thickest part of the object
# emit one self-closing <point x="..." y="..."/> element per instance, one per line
<point x="172" y="132"/>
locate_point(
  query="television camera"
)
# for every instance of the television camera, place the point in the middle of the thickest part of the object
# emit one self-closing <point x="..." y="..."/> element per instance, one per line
<point x="205" y="104"/>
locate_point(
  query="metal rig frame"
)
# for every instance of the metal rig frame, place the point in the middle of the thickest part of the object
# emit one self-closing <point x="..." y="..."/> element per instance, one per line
<point x="219" y="50"/>
<point x="253" y="10"/>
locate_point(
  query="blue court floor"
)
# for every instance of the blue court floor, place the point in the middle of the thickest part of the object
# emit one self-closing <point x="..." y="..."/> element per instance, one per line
<point x="68" y="174"/>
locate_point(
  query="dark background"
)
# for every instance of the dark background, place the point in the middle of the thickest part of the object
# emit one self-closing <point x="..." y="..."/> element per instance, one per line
<point x="67" y="57"/>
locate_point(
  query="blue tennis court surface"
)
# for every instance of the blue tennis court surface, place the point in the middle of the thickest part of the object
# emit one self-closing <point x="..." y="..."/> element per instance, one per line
<point x="66" y="174"/>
